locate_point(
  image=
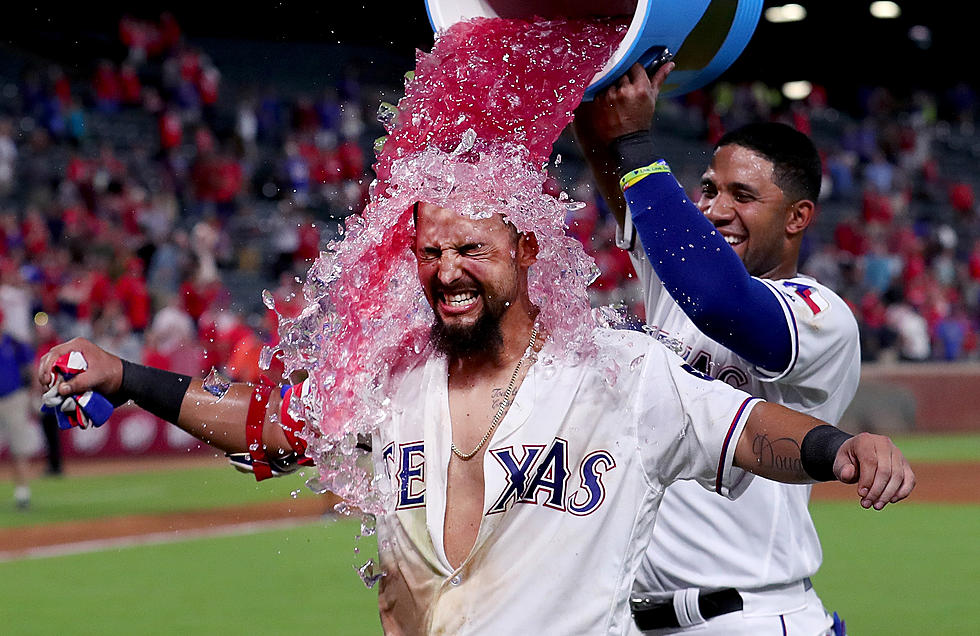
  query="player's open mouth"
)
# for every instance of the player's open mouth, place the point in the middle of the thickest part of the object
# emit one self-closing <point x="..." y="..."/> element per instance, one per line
<point x="460" y="299"/>
<point x="734" y="240"/>
<point x="458" y="302"/>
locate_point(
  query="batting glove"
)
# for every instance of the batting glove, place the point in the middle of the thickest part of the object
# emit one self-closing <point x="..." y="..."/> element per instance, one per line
<point x="84" y="410"/>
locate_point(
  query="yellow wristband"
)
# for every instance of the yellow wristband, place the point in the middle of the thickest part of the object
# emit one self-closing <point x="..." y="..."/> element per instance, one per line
<point x="633" y="176"/>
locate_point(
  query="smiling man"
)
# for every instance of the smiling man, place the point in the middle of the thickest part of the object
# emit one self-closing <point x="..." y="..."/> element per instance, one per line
<point x="722" y="289"/>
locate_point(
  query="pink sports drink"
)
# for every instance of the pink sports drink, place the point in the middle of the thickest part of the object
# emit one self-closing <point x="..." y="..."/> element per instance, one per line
<point x="473" y="133"/>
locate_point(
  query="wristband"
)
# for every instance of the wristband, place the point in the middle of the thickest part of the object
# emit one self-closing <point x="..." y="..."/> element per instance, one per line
<point x="819" y="451"/>
<point x="154" y="390"/>
<point x="254" y="424"/>
<point x="632" y="150"/>
<point x="633" y="177"/>
<point x="290" y="426"/>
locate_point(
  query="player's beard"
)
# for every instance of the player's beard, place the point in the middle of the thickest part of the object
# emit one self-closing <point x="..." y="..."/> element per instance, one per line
<point x="460" y="341"/>
<point x="484" y="335"/>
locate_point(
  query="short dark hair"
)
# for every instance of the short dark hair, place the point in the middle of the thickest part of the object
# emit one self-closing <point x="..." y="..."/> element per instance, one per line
<point x="795" y="160"/>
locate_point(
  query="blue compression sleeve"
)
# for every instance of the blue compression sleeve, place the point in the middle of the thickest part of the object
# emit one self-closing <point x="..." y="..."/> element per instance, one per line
<point x="703" y="274"/>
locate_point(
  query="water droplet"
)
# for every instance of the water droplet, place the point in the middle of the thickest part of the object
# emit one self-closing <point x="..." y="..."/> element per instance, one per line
<point x="216" y="384"/>
<point x="368" y="526"/>
<point x="317" y="485"/>
<point x="387" y="114"/>
<point x="466" y="142"/>
<point x="368" y="575"/>
<point x="268" y="299"/>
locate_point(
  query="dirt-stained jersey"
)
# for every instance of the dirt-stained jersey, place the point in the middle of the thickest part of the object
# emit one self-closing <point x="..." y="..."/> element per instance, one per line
<point x="573" y="477"/>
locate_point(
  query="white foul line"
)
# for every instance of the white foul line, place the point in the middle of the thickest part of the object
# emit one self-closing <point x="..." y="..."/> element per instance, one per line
<point x="151" y="538"/>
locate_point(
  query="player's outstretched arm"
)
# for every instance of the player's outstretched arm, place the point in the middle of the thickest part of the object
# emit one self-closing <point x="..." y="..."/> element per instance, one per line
<point x="784" y="445"/>
<point x="217" y="420"/>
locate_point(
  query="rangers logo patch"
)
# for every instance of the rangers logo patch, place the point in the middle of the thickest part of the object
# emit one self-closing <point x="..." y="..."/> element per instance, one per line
<point x="810" y="296"/>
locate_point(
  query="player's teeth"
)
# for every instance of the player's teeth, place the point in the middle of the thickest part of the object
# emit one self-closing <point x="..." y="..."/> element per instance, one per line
<point x="733" y="240"/>
<point x="459" y="299"/>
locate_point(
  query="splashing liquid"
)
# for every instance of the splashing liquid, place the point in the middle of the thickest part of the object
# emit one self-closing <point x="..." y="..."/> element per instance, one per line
<point x="473" y="133"/>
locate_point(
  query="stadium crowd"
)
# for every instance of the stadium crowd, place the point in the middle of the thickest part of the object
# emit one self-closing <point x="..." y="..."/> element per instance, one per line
<point x="131" y="240"/>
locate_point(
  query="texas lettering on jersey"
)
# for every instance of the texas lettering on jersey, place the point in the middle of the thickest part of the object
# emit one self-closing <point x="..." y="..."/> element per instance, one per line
<point x="535" y="475"/>
<point x="700" y="362"/>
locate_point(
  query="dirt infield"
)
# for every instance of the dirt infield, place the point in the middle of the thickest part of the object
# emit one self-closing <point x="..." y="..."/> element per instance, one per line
<point x="56" y="538"/>
<point x="957" y="483"/>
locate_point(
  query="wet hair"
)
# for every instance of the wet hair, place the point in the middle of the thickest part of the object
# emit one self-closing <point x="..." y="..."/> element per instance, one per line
<point x="795" y="161"/>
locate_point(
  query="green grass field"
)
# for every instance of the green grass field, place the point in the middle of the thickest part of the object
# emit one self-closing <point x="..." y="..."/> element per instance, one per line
<point x="295" y="581"/>
<point x="145" y="492"/>
<point x="911" y="569"/>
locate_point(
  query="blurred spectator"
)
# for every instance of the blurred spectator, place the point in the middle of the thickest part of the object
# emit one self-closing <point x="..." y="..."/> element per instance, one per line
<point x="247" y="125"/>
<point x="171" y="130"/>
<point x="876" y="332"/>
<point x="962" y="198"/>
<point x="203" y="287"/>
<point x="132" y="292"/>
<point x="911" y="329"/>
<point x="954" y="335"/>
<point x="15" y="302"/>
<point x="232" y="346"/>
<point x="295" y="173"/>
<point x="130" y="86"/>
<point x="171" y="341"/>
<point x="208" y="86"/>
<point x="106" y="87"/>
<point x="880" y="266"/>
<point x="16" y="375"/>
<point x="840" y="167"/>
<point x="111" y="330"/>
<point x="8" y="156"/>
<point x="285" y="242"/>
<point x="170" y="259"/>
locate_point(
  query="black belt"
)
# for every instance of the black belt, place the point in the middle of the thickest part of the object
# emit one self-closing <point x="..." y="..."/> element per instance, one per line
<point x="710" y="604"/>
<point x="662" y="615"/>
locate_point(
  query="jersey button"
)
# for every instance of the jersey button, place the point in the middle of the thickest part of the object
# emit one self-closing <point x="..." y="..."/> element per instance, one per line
<point x="456" y="580"/>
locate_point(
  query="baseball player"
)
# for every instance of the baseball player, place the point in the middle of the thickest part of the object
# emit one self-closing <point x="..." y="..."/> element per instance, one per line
<point x="722" y="289"/>
<point x="511" y="510"/>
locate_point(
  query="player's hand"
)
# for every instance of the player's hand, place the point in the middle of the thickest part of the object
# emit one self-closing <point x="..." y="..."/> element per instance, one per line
<point x="875" y="464"/>
<point x="104" y="372"/>
<point x="625" y="107"/>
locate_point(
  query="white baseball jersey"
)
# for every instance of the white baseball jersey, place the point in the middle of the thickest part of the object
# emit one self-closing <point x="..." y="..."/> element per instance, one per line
<point x="766" y="537"/>
<point x="573" y="477"/>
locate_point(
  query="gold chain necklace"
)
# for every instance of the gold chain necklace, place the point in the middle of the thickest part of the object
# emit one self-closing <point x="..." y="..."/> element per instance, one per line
<point x="503" y="405"/>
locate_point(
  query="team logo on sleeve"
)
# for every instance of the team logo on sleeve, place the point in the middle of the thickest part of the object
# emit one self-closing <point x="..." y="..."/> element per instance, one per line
<point x="810" y="296"/>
